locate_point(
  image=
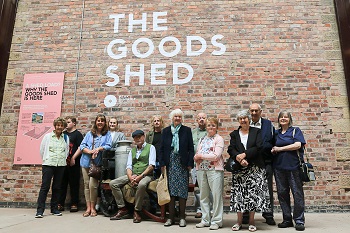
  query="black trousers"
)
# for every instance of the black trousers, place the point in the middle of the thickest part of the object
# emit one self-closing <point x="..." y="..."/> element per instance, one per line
<point x="71" y="177"/>
<point x="48" y="173"/>
<point x="269" y="176"/>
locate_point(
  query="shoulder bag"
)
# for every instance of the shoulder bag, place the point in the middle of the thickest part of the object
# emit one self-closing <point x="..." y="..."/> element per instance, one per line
<point x="306" y="169"/>
<point x="162" y="189"/>
<point x="94" y="170"/>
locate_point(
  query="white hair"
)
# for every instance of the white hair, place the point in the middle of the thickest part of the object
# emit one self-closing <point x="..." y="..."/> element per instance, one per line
<point x="175" y="112"/>
<point x="243" y="114"/>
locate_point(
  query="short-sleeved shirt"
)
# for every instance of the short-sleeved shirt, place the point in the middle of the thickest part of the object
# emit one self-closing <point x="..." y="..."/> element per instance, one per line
<point x="288" y="160"/>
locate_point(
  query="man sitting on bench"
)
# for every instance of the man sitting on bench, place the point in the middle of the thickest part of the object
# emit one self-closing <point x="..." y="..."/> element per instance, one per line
<point x="139" y="173"/>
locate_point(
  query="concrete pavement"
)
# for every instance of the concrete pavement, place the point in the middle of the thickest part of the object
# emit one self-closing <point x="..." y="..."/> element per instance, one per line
<point x="13" y="220"/>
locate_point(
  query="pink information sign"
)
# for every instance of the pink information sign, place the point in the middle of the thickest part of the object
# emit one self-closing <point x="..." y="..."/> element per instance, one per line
<point x="40" y="105"/>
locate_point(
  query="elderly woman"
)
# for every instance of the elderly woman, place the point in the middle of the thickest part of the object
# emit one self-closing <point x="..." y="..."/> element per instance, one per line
<point x="114" y="130"/>
<point x="176" y="154"/>
<point x="92" y="146"/>
<point x="210" y="175"/>
<point x="286" y="169"/>
<point x="249" y="192"/>
<point x="54" y="149"/>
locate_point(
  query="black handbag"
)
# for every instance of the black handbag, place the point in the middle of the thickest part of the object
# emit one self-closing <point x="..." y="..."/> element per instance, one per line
<point x="306" y="170"/>
<point x="232" y="166"/>
<point x="307" y="173"/>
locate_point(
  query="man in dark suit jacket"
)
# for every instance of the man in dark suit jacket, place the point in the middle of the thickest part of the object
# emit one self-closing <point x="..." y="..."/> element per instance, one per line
<point x="267" y="134"/>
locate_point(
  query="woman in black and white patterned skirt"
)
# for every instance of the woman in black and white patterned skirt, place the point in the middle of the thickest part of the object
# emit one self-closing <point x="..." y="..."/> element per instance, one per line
<point x="249" y="192"/>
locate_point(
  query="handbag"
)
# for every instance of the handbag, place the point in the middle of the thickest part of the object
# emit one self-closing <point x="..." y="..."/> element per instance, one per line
<point x="232" y="166"/>
<point x="129" y="192"/>
<point x="162" y="189"/>
<point x="307" y="173"/>
<point x="94" y="170"/>
<point x="306" y="170"/>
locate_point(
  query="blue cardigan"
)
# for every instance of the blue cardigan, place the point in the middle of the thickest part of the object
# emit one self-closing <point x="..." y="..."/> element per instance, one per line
<point x="186" y="150"/>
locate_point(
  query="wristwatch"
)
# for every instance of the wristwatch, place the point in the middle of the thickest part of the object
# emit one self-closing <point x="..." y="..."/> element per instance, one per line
<point x="143" y="175"/>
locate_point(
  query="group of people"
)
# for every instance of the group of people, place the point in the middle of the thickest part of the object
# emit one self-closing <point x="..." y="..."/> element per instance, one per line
<point x="259" y="150"/>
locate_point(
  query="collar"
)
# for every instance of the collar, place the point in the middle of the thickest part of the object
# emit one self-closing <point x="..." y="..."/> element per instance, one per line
<point x="54" y="134"/>
<point x="143" y="146"/>
<point x="258" y="123"/>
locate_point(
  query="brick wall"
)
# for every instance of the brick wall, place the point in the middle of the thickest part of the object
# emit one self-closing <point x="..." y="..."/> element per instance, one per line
<point x="282" y="54"/>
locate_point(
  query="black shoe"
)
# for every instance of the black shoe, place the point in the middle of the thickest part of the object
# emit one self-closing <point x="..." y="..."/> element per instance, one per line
<point x="56" y="213"/>
<point x="285" y="224"/>
<point x="270" y="221"/>
<point x="299" y="227"/>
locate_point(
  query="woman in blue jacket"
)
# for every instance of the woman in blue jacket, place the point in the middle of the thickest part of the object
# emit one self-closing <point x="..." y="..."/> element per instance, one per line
<point x="92" y="146"/>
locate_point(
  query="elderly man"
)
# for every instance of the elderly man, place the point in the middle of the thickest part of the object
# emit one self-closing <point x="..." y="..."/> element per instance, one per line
<point x="197" y="134"/>
<point x="267" y="134"/>
<point x="139" y="173"/>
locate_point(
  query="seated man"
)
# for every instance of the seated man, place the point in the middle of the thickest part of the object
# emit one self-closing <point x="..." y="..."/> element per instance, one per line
<point x="139" y="172"/>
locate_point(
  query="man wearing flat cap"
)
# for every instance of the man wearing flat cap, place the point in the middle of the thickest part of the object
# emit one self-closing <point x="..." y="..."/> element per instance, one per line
<point x="139" y="173"/>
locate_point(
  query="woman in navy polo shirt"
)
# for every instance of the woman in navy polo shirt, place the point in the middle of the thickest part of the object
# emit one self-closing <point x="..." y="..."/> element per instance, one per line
<point x="286" y="164"/>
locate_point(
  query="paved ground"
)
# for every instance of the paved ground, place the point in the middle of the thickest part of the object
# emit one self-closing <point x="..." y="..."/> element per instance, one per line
<point x="22" y="220"/>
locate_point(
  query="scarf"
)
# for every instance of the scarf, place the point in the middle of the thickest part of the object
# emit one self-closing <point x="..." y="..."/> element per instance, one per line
<point x="175" y="141"/>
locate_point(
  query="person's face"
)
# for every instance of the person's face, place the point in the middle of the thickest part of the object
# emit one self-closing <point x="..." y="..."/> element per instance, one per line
<point x="70" y="124"/>
<point x="59" y="127"/>
<point x="139" y="140"/>
<point x="244" y="122"/>
<point x="201" y="119"/>
<point x="212" y="128"/>
<point x="113" y="124"/>
<point x="100" y="123"/>
<point x="157" y="123"/>
<point x="284" y="120"/>
<point x="177" y="119"/>
<point x="255" y="112"/>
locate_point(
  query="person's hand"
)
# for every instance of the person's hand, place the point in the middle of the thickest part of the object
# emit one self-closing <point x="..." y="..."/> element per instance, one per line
<point x="197" y="157"/>
<point x="275" y="150"/>
<point x="133" y="180"/>
<point x="162" y="169"/>
<point x="72" y="162"/>
<point x="240" y="157"/>
<point x="244" y="163"/>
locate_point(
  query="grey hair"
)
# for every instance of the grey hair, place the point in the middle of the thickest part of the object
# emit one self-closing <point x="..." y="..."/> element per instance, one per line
<point x="282" y="113"/>
<point x="243" y="114"/>
<point x="174" y="113"/>
<point x="259" y="106"/>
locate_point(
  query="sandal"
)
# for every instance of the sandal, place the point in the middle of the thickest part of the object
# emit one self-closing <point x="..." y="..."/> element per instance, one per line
<point x="93" y="214"/>
<point x="252" y="228"/>
<point x="236" y="227"/>
<point x="74" y="208"/>
<point x="86" y="214"/>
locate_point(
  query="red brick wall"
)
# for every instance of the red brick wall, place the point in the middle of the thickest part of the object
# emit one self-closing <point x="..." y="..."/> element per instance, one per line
<point x="282" y="54"/>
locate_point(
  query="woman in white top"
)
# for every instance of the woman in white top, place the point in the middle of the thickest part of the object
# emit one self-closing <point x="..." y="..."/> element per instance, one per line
<point x="114" y="129"/>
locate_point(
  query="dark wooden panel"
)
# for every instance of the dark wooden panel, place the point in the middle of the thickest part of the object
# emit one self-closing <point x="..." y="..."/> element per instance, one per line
<point x="342" y="8"/>
<point x="7" y="22"/>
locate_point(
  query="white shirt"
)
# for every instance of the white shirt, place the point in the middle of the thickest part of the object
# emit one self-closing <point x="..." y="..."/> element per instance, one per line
<point x="151" y="158"/>
<point x="257" y="124"/>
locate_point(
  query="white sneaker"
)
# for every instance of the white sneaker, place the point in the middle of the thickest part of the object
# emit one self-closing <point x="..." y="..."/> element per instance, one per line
<point x="201" y="225"/>
<point x="214" y="226"/>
